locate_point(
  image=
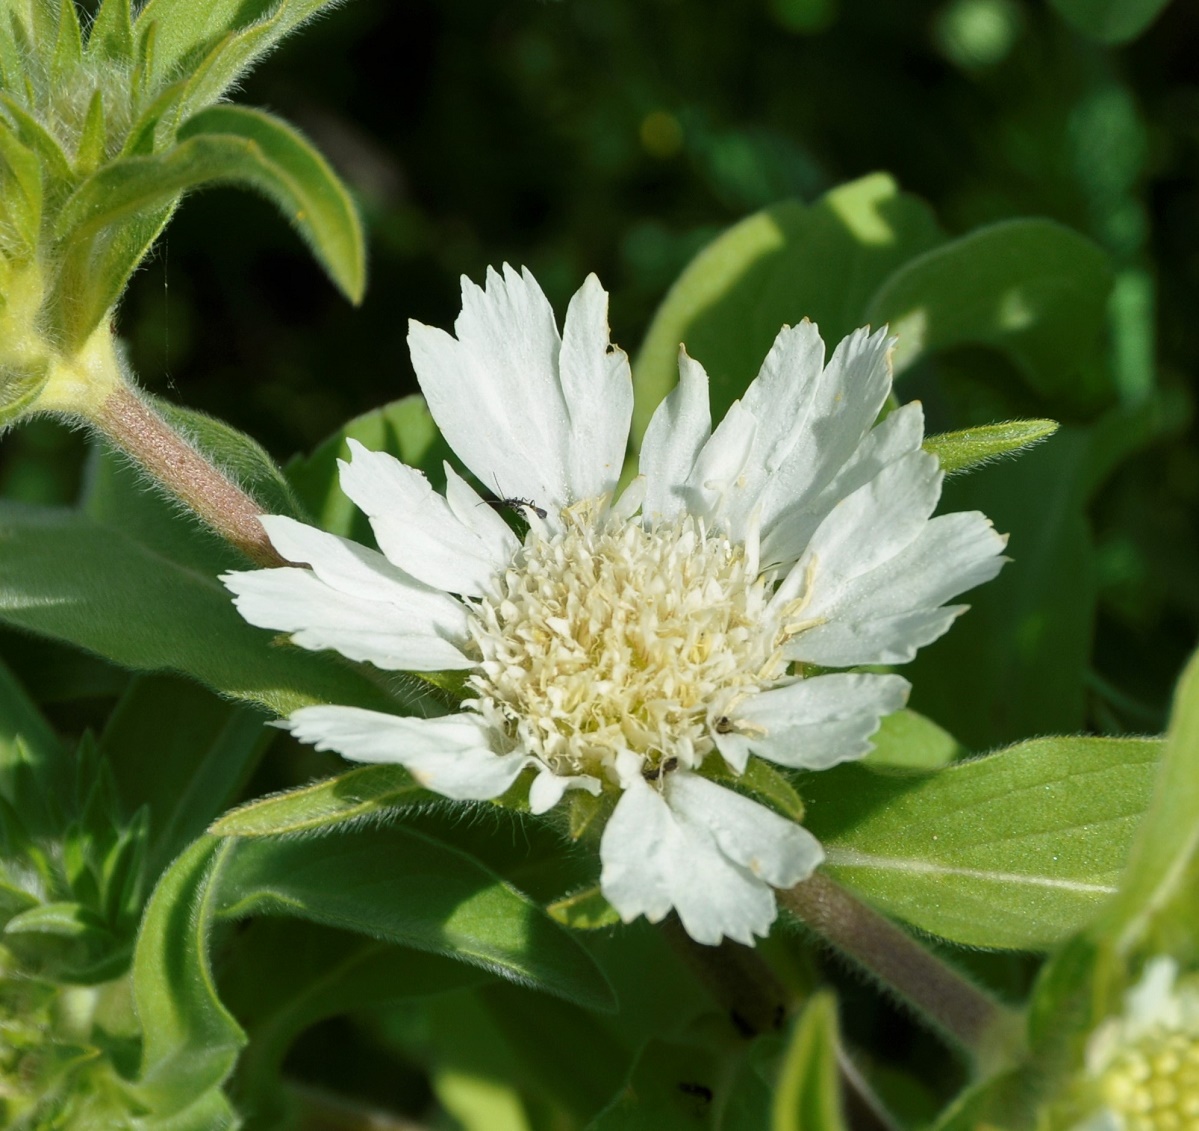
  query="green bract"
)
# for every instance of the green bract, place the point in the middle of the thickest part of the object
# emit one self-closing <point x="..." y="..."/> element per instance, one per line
<point x="101" y="134"/>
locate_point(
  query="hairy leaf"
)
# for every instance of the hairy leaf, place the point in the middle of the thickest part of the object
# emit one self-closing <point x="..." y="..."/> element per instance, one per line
<point x="369" y="791"/>
<point x="1017" y="849"/>
<point x="973" y="447"/>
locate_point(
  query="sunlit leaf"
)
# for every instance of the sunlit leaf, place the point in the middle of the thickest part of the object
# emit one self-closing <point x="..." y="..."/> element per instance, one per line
<point x="186" y="29"/>
<point x="1017" y="849"/>
<point x="792" y="261"/>
<point x="190" y="1040"/>
<point x="909" y="741"/>
<point x="808" y="1093"/>
<point x="1033" y="289"/>
<point x="1168" y="838"/>
<point x="111" y="34"/>
<point x="367" y="791"/>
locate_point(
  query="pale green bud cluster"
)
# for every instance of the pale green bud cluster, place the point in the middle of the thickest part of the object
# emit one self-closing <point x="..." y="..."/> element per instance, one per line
<point x="55" y="1072"/>
<point x="1154" y="1084"/>
<point x="1142" y="1065"/>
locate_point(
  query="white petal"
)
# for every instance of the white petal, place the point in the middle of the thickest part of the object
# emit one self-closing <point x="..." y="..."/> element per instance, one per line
<point x="713" y="482"/>
<point x="548" y="787"/>
<point x="878" y="640"/>
<point x="396" y="637"/>
<point x="884" y="615"/>
<point x="770" y="847"/>
<point x="480" y="517"/>
<point x="359" y="571"/>
<point x="598" y="389"/>
<point x="1153" y="1001"/>
<point x="450" y="755"/>
<point x="677" y="432"/>
<point x="634" y="850"/>
<point x="703" y="850"/>
<point x="494" y="390"/>
<point x="815" y="723"/>
<point x="780" y="399"/>
<point x="869" y="527"/>
<point x="792" y="522"/>
<point x="845" y="403"/>
<point x="416" y="527"/>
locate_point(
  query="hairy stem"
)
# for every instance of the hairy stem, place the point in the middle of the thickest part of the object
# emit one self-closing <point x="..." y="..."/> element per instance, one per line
<point x="939" y="993"/>
<point x="134" y="427"/>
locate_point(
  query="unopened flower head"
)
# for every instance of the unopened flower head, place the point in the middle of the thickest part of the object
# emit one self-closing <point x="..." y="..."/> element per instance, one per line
<point x="635" y="643"/>
<point x="1142" y="1070"/>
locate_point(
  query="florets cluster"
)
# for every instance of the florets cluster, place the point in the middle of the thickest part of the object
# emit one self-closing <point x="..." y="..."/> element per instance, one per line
<point x="610" y="636"/>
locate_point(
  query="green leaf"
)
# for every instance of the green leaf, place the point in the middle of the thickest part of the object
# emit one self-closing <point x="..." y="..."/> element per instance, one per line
<point x="1007" y="1100"/>
<point x="89" y="151"/>
<point x="190" y="1041"/>
<point x="38" y="138"/>
<point x="808" y="1094"/>
<point x="792" y="261"/>
<point x="276" y="160"/>
<point x="1017" y="662"/>
<point x="672" y="1087"/>
<point x="68" y="50"/>
<point x="235" y="145"/>
<point x="66" y="920"/>
<point x="1033" y="289"/>
<point x="285" y="976"/>
<point x="185" y="30"/>
<point x="93" y="276"/>
<point x="973" y="447"/>
<point x="33" y="763"/>
<point x="406" y="888"/>
<point x="23" y="185"/>
<point x="1110" y="21"/>
<point x="1015" y="850"/>
<point x="370" y="791"/>
<point x="404" y="428"/>
<point x="111" y="34"/>
<point x="1168" y="838"/>
<point x="908" y="741"/>
<point x="97" y="586"/>
<point x="183" y="754"/>
<point x="584" y="911"/>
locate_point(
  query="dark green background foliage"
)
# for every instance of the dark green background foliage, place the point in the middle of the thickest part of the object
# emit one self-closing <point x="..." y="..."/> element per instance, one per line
<point x="621" y="137"/>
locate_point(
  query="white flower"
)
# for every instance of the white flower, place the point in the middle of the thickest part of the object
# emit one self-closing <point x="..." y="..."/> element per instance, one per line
<point x="620" y="646"/>
<point x="1142" y="1068"/>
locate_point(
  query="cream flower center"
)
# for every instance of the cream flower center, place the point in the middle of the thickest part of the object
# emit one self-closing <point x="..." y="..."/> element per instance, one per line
<point x="1154" y="1083"/>
<point x="609" y="636"/>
